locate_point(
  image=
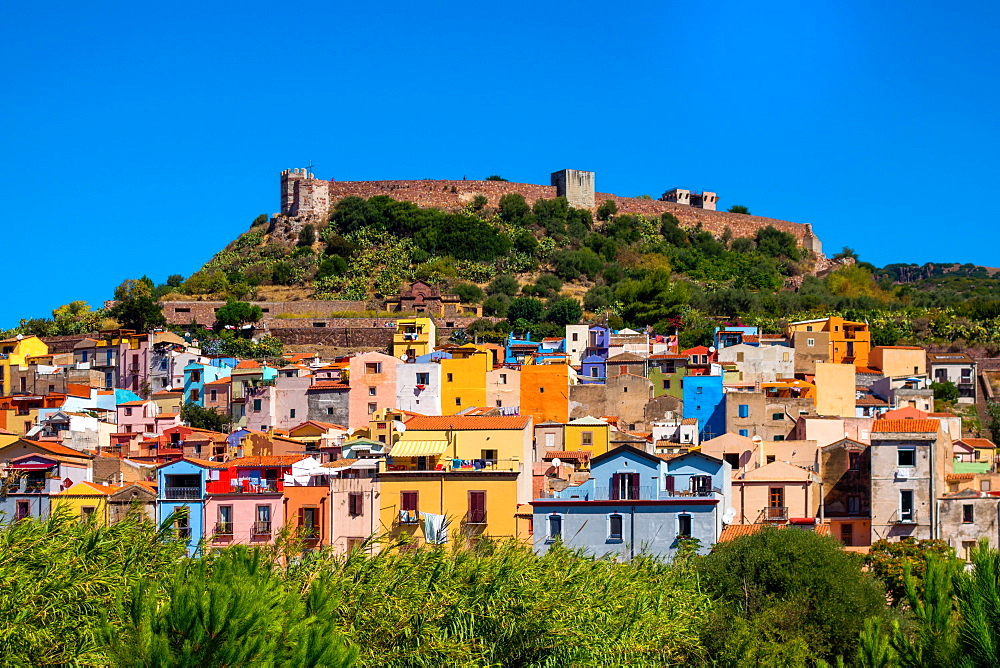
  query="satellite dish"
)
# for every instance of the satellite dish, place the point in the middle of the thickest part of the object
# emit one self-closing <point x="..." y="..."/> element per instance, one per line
<point x="399" y="426"/>
<point x="557" y="462"/>
<point x="757" y="440"/>
<point x="404" y="357"/>
<point x="728" y="516"/>
<point x="711" y="349"/>
<point x="19" y="337"/>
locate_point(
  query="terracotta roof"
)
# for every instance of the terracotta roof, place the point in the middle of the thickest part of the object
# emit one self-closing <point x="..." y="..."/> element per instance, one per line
<point x="867" y="370"/>
<point x="734" y="531"/>
<point x="267" y="460"/>
<point x="329" y="385"/>
<point x="220" y="381"/>
<point x="339" y="464"/>
<point x="202" y="462"/>
<point x="56" y="449"/>
<point x="958" y="477"/>
<point x="689" y="421"/>
<point x="869" y="400"/>
<point x="103" y="489"/>
<point x="166" y="416"/>
<point x="466" y="422"/>
<point x="248" y="364"/>
<point x="322" y="425"/>
<point x="76" y="390"/>
<point x="579" y="455"/>
<point x="4" y="432"/>
<point x="978" y="442"/>
<point x="906" y="412"/>
<point x="168" y="393"/>
<point x="905" y="426"/>
<point x="132" y="403"/>
<point x="942" y="415"/>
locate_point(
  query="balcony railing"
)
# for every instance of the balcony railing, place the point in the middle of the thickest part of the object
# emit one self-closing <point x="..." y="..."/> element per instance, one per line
<point x="183" y="493"/>
<point x="262" y="528"/>
<point x="774" y="514"/>
<point x="475" y="517"/>
<point x="34" y="488"/>
<point x="244" y="487"/>
<point x="627" y="494"/>
<point x="904" y="517"/>
<point x="224" y="528"/>
<point x="309" y="533"/>
<point x="701" y="492"/>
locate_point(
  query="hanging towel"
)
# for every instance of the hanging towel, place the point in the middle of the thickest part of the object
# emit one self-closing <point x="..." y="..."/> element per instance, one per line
<point x="435" y="529"/>
<point x="478" y="464"/>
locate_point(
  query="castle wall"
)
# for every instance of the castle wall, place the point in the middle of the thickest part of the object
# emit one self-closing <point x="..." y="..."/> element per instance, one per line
<point x="203" y="312"/>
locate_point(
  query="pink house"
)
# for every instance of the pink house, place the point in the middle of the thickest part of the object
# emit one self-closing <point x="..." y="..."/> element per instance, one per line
<point x="354" y="504"/>
<point x="291" y="401"/>
<point x="246" y="500"/>
<point x="373" y="386"/>
<point x="137" y="417"/>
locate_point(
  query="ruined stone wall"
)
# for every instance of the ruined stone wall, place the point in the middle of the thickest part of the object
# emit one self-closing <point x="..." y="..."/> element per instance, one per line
<point x="456" y="194"/>
<point x="203" y="312"/>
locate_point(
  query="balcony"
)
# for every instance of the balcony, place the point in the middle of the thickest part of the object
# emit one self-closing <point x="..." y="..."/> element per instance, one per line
<point x="692" y="493"/>
<point x="774" y="514"/>
<point x="223" y="528"/>
<point x="262" y="528"/>
<point x="409" y="517"/>
<point x="629" y="494"/>
<point x="904" y="517"/>
<point x="182" y="493"/>
<point x="244" y="487"/>
<point x="34" y="488"/>
<point x="309" y="533"/>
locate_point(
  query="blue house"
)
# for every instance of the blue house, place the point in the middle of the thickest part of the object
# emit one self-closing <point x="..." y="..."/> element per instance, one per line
<point x="636" y="503"/>
<point x="517" y="350"/>
<point x="181" y="484"/>
<point x="196" y="375"/>
<point x="599" y="341"/>
<point x="705" y="401"/>
<point x="593" y="370"/>
<point x="733" y="336"/>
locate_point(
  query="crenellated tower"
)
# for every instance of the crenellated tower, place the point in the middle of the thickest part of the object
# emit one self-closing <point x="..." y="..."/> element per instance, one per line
<point x="303" y="194"/>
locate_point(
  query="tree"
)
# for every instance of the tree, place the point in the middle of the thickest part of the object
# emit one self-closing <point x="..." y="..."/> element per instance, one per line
<point x="888" y="562"/>
<point x="652" y="299"/>
<point x="478" y="202"/>
<point x="496" y="305"/>
<point x="175" y="280"/>
<point x="993" y="419"/>
<point x="307" y="235"/>
<point x="739" y="208"/>
<point x="783" y="588"/>
<point x="606" y="210"/>
<point x="469" y="293"/>
<point x="565" y="311"/>
<point x="598" y="298"/>
<point x="503" y="284"/>
<point x="331" y="266"/>
<point x="259" y="220"/>
<point x="495" y="177"/>
<point x="772" y="241"/>
<point x="135" y="307"/>
<point x="945" y="391"/>
<point x="513" y="208"/>
<point x="846" y="252"/>
<point x="338" y="245"/>
<point x="236" y="314"/>
<point x="204" y="418"/>
<point x="528" y="309"/>
<point x="670" y="228"/>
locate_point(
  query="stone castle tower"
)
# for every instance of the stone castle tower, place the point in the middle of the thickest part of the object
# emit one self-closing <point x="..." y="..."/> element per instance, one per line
<point x="303" y="194"/>
<point x="576" y="186"/>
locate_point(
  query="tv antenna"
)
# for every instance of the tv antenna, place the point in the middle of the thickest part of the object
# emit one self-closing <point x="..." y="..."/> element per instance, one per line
<point x="309" y="167"/>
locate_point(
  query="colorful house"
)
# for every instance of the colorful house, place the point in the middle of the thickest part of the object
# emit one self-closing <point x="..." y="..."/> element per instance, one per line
<point x="418" y="387"/>
<point x="196" y="375"/>
<point x="667" y="372"/>
<point x="850" y="342"/>
<point x="637" y="503"/>
<point x="373" y="386"/>
<point x="414" y="337"/>
<point x="545" y="391"/>
<point x="43" y="469"/>
<point x="593" y="370"/>
<point x="463" y="383"/>
<point x="86" y="500"/>
<point x="587" y="434"/>
<point x="704" y="400"/>
<point x="15" y="352"/>
<point x="182" y="489"/>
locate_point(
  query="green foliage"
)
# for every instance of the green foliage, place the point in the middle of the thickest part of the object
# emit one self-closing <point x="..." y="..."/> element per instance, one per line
<point x="135" y="308"/>
<point x="307" y="235"/>
<point x="338" y="245"/>
<point x="775" y="243"/>
<point x="786" y="594"/>
<point x="551" y="214"/>
<point x="528" y="309"/>
<point x="230" y="345"/>
<point x="204" y="418"/>
<point x="606" y="210"/>
<point x="670" y="228"/>
<point x="496" y="305"/>
<point x="932" y="603"/>
<point x="503" y="285"/>
<point x="495" y="177"/>
<point x="259" y="220"/>
<point x="888" y="562"/>
<point x="564" y="312"/>
<point x="739" y="208"/>
<point x="206" y="282"/>
<point x="235" y="314"/>
<point x="570" y="265"/>
<point x="514" y="209"/>
<point x="945" y="391"/>
<point x="545" y="287"/>
<point x="742" y="245"/>
<point x="653" y="299"/>
<point x="598" y="298"/>
<point x="175" y="280"/>
<point x="478" y="202"/>
<point x="469" y="293"/>
<point x="333" y="265"/>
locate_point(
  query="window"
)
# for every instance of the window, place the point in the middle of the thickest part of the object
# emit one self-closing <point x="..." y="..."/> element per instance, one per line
<point x="744" y="410"/>
<point x="423" y="379"/>
<point x="699" y="389"/>
<point x="984" y="485"/>
<point x="84" y="359"/>
<point x="224" y="522"/>
<point x="309" y="521"/>
<point x="355" y="504"/>
<point x="373" y="367"/>
<point x="624" y="486"/>
<point x="408" y="501"/>
<point x="745" y="432"/>
<point x="372" y="408"/>
<point x="195" y="396"/>
<point x="666" y="385"/>
<point x="541" y="390"/>
<point x="576" y="337"/>
<point x="777" y="416"/>
<point x="967" y="547"/>
<point x="906" y="456"/>
<point x="811" y="342"/>
<point x="776" y="497"/>
<point x="458" y="401"/>
<point x="503" y="379"/>
<point x="587" y="438"/>
<point x="784" y="357"/>
<point x="451" y="377"/>
<point x="489" y="456"/>
<point x="128" y="410"/>
<point x="22" y="510"/>
<point x="214" y="395"/>
<point x="477" y="507"/>
<point x="967" y="513"/>
<point x="256" y="404"/>
<point x="906" y="505"/>
<point x="853" y="461"/>
<point x="684" y="526"/>
<point x="769" y="459"/>
<point x="739" y="357"/>
<point x="262" y="526"/>
<point x="701" y="484"/>
<point x="854" y="504"/>
<point x="593" y="372"/>
<point x="809" y="328"/>
<point x="371" y="391"/>
<point x="555" y="527"/>
<point x="614" y="527"/>
<point x="847" y="534"/>
<point x="183" y="526"/>
<point x="329" y="410"/>
<point x="86" y="512"/>
<point x="291" y="413"/>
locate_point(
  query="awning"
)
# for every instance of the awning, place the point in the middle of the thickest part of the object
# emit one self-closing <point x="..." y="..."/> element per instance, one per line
<point x="32" y="466"/>
<point x="418" y="448"/>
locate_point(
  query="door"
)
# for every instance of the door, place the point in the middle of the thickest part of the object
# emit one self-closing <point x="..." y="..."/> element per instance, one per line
<point x="776" y="504"/>
<point x="477" y="507"/>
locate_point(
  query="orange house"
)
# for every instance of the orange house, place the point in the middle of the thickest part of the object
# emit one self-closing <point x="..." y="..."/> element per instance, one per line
<point x="545" y="391"/>
<point x="850" y="342"/>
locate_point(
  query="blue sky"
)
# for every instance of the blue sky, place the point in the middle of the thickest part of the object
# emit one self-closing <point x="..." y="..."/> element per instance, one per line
<point x="139" y="138"/>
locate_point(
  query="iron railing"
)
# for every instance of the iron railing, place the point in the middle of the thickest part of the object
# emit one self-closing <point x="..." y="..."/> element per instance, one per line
<point x="262" y="528"/>
<point x="183" y="493"/>
<point x="774" y="514"/>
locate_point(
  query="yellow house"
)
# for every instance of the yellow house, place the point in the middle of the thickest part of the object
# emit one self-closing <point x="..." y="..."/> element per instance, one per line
<point x="463" y="378"/>
<point x="836" y="389"/>
<point x="429" y="505"/>
<point x="467" y="443"/>
<point x="896" y="361"/>
<point x="850" y="342"/>
<point x="86" y="500"/>
<point x="15" y="352"/>
<point x="414" y="337"/>
<point x="587" y="434"/>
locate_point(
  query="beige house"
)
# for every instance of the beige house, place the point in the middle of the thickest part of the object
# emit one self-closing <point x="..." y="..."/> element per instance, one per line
<point x="775" y="492"/>
<point x="896" y="361"/>
<point x="836" y="389"/>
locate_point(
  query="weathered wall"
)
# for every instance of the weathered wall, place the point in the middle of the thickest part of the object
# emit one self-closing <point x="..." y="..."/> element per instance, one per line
<point x="203" y="312"/>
